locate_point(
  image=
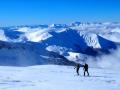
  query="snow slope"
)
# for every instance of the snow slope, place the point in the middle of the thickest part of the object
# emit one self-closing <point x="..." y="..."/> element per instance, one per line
<point x="52" y="77"/>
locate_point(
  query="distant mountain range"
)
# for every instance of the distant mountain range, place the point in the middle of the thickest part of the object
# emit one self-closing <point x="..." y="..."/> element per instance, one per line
<point x="57" y="43"/>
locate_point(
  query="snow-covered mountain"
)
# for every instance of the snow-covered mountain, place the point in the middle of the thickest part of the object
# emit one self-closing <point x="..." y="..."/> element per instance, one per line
<point x="57" y="43"/>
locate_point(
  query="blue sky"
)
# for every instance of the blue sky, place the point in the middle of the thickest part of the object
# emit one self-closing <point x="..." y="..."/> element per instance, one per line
<point x="17" y="12"/>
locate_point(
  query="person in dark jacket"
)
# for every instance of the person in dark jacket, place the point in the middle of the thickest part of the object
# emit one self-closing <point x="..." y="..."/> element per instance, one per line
<point x="85" y="68"/>
<point x="77" y="68"/>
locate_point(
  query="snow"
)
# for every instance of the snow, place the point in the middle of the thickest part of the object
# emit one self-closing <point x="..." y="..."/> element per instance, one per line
<point x="91" y="40"/>
<point x="2" y="36"/>
<point x="37" y="36"/>
<point x="75" y="56"/>
<point x="116" y="30"/>
<point x="78" y="39"/>
<point x="52" y="77"/>
<point x="57" y="49"/>
<point x="34" y="34"/>
<point x="34" y="45"/>
<point x="112" y="34"/>
<point x="88" y="32"/>
<point x="23" y="29"/>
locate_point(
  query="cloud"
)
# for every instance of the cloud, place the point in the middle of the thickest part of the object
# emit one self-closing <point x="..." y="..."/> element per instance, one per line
<point x="111" y="61"/>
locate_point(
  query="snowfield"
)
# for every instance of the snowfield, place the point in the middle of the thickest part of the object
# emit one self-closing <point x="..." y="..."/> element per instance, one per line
<point x="55" y="77"/>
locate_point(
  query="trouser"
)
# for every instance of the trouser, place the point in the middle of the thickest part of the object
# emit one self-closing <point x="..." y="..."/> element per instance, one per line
<point x="87" y="72"/>
<point x="77" y="71"/>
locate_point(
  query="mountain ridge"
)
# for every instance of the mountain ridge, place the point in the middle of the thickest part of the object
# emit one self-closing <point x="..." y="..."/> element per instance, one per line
<point x="87" y="39"/>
